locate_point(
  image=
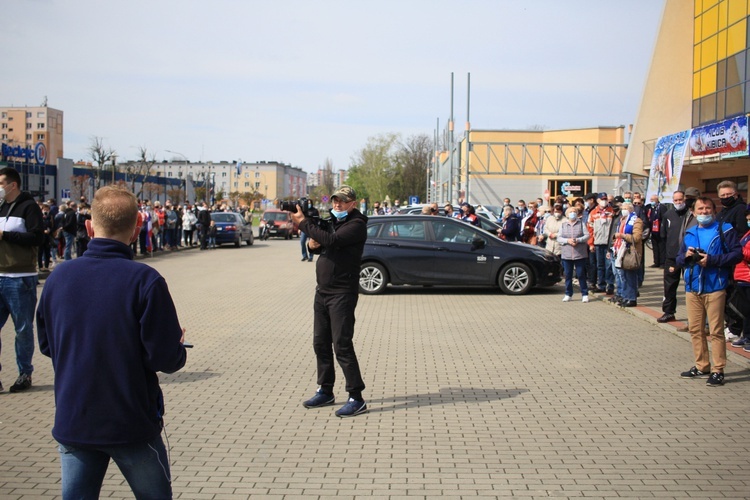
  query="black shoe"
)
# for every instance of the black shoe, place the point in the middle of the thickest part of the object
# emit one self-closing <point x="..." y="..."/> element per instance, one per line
<point x="628" y="303"/>
<point x="596" y="289"/>
<point x="614" y="299"/>
<point x="1" y="387"/>
<point x="304" y="259"/>
<point x="23" y="382"/>
<point x="715" y="379"/>
<point x="666" y="318"/>
<point x="693" y="373"/>
<point x="610" y="291"/>
<point x="653" y="266"/>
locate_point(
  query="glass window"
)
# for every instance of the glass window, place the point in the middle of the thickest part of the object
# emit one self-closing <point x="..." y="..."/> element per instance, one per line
<point x="697" y="57"/>
<point x="5" y="125"/>
<point x="722" y="45"/>
<point x="708" y="108"/>
<point x="721" y="99"/>
<point x="736" y="37"/>
<point x="39" y="137"/>
<point x="28" y="126"/>
<point x="709" y="50"/>
<point x="40" y="114"/>
<point x="5" y="136"/>
<point x="721" y="74"/>
<point x="735" y="100"/>
<point x="372" y="230"/>
<point x="28" y="137"/>
<point x="723" y="15"/>
<point x="5" y="115"/>
<point x="735" y="69"/>
<point x="410" y="230"/>
<point x="452" y="232"/>
<point x="28" y="114"/>
<point x="737" y="9"/>
<point x="710" y="22"/>
<point x="40" y="125"/>
<point x="708" y="81"/>
<point x="747" y="101"/>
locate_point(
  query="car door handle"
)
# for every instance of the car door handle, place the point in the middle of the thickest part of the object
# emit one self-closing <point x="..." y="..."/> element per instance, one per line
<point x="442" y="249"/>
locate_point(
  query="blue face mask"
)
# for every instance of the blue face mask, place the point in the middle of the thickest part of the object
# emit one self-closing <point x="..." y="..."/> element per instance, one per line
<point x="339" y="215"/>
<point x="572" y="216"/>
<point x="705" y="220"/>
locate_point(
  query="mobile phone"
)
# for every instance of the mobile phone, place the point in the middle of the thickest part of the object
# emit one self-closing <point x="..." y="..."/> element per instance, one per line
<point x="187" y="346"/>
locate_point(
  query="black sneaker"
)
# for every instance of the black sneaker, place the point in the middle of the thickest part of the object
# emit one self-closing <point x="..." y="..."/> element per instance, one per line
<point x="320" y="399"/>
<point x="1" y="387"/>
<point x="352" y="408"/>
<point x="694" y="373"/>
<point x="715" y="379"/>
<point x="665" y="318"/>
<point x="23" y="382"/>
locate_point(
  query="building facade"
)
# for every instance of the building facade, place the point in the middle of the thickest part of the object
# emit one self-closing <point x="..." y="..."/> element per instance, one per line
<point x="691" y="128"/>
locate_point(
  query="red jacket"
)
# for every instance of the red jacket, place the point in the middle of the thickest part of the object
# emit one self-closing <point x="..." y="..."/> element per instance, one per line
<point x="742" y="270"/>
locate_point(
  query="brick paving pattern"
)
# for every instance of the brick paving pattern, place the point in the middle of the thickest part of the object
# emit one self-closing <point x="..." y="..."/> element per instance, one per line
<point x="472" y="394"/>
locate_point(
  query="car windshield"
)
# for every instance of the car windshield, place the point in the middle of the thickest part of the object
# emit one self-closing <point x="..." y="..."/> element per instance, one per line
<point x="282" y="216"/>
<point x="223" y="217"/>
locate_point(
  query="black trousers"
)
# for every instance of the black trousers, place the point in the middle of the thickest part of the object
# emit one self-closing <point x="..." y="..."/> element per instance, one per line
<point x="671" y="283"/>
<point x="333" y="332"/>
<point x="659" y="246"/>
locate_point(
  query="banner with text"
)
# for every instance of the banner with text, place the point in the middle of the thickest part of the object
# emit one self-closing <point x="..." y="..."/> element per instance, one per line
<point x="727" y="139"/>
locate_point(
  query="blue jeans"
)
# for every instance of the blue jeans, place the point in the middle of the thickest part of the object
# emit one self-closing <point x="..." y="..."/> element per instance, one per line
<point x="144" y="465"/>
<point x="605" y="278"/>
<point x="18" y="299"/>
<point x="627" y="284"/>
<point x="303" y="243"/>
<point x="70" y="240"/>
<point x="580" y="268"/>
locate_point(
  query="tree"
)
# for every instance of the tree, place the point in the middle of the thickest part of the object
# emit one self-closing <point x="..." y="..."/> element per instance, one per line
<point x="100" y="155"/>
<point x="374" y="168"/>
<point x="413" y="158"/>
<point x="78" y="185"/>
<point x="140" y="169"/>
<point x="176" y="195"/>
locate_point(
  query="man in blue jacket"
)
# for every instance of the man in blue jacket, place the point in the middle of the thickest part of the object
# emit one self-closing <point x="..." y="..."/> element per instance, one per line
<point x="708" y="254"/>
<point x="106" y="352"/>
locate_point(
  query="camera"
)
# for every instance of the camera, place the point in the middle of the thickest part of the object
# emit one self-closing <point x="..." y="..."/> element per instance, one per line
<point x="291" y="206"/>
<point x="697" y="256"/>
<point x="308" y="210"/>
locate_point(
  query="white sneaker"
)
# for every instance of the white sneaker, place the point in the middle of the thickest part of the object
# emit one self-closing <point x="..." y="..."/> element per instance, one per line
<point x="585" y="299"/>
<point x="729" y="336"/>
<point x="567" y="298"/>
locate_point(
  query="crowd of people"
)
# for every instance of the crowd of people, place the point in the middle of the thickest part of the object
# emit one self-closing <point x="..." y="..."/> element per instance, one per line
<point x="600" y="240"/>
<point x="165" y="227"/>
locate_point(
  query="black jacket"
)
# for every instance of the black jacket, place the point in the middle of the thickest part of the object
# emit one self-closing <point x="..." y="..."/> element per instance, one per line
<point x="337" y="269"/>
<point x="734" y="215"/>
<point x="23" y="232"/>
<point x="70" y="221"/>
<point x="671" y="229"/>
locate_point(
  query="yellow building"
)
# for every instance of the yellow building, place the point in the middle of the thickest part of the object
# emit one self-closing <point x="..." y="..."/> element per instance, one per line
<point x="528" y="164"/>
<point x="696" y="98"/>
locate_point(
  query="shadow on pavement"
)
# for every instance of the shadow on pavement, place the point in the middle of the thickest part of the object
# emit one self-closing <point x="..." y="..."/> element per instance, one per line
<point x="447" y="395"/>
<point x="181" y="377"/>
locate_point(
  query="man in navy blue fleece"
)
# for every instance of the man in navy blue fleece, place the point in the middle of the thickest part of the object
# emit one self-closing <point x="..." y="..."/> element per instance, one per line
<point x="106" y="352"/>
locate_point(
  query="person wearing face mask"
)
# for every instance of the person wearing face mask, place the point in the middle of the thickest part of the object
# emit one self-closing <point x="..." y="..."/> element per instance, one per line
<point x="671" y="232"/>
<point x="573" y="238"/>
<point x="708" y="255"/>
<point x="21" y="234"/>
<point x="552" y="229"/>
<point x="599" y="224"/>
<point x="654" y="213"/>
<point x="742" y="288"/>
<point x="590" y="204"/>
<point x="629" y="235"/>
<point x="733" y="213"/>
<point x="337" y="272"/>
<point x="510" y="225"/>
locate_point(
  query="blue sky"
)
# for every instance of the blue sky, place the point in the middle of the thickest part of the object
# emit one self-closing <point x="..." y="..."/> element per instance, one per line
<point x="302" y="81"/>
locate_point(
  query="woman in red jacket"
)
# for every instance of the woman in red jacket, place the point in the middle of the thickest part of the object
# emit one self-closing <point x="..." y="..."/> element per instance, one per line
<point x="741" y="298"/>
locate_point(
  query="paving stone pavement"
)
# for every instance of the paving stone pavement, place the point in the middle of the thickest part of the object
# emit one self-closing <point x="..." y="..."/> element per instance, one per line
<point x="472" y="394"/>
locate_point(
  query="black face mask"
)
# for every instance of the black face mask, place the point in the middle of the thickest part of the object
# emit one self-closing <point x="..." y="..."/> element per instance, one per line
<point x="727" y="202"/>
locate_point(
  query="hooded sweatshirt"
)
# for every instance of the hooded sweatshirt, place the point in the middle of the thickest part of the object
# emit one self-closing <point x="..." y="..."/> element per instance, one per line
<point x="23" y="233"/>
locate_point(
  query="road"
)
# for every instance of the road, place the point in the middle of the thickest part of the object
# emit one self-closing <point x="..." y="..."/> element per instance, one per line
<point x="471" y="393"/>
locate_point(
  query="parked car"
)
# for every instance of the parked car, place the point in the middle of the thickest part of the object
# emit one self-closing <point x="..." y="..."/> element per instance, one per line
<point x="485" y="222"/>
<point x="280" y="224"/>
<point x="427" y="250"/>
<point x="232" y="228"/>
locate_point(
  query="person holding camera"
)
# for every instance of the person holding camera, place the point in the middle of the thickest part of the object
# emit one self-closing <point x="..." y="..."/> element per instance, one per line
<point x="708" y="254"/>
<point x="339" y="244"/>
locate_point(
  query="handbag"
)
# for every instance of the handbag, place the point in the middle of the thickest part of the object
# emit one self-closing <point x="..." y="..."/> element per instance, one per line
<point x="630" y="259"/>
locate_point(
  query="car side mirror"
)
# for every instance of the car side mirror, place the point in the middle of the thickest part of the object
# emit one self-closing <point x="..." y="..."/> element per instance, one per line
<point x="478" y="244"/>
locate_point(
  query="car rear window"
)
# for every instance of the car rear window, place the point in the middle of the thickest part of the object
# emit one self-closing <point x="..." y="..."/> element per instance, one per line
<point x="411" y="230"/>
<point x="219" y="217"/>
<point x="282" y="216"/>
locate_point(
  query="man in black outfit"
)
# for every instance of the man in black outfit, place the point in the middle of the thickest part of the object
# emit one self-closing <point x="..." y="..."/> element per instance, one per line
<point x="655" y="211"/>
<point x="204" y="219"/>
<point x="337" y="272"/>
<point x="673" y="225"/>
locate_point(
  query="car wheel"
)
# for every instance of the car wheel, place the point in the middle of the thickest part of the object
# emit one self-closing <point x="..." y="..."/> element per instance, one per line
<point x="237" y="243"/>
<point x="373" y="278"/>
<point x="515" y="279"/>
<point x="250" y="240"/>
